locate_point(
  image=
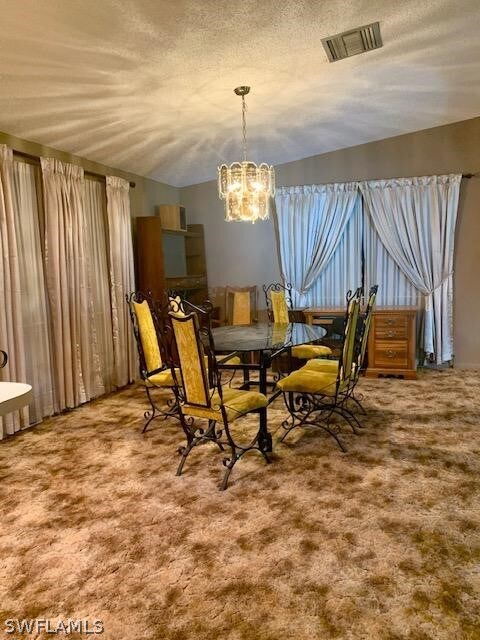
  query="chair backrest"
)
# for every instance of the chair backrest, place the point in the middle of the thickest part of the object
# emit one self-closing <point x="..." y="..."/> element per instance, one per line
<point x="176" y="305"/>
<point x="198" y="379"/>
<point x="278" y="300"/>
<point x="346" y="360"/>
<point x="145" y="329"/>
<point x="367" y="321"/>
<point x="181" y="306"/>
<point x="240" y="304"/>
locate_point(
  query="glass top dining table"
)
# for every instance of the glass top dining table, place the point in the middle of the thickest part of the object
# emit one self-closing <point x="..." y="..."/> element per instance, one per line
<point x="268" y="340"/>
<point x="265" y="336"/>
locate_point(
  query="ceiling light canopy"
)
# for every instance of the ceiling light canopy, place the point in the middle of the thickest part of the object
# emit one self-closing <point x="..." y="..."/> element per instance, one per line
<point x="247" y="188"/>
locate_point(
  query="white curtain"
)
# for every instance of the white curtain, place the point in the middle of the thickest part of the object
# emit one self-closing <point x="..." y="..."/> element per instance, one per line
<point x="11" y="328"/>
<point x="64" y="273"/>
<point x="394" y="288"/>
<point x="311" y="222"/>
<point x="344" y="270"/>
<point x="67" y="278"/>
<point x="415" y="219"/>
<point x="35" y="321"/>
<point x="102" y="380"/>
<point x="122" y="279"/>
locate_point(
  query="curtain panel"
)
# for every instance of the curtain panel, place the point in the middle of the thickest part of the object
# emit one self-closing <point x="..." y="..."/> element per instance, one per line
<point x="344" y="269"/>
<point x="65" y="266"/>
<point x="11" y="328"/>
<point x="103" y="369"/>
<point x="122" y="278"/>
<point x="311" y="222"/>
<point x="35" y="313"/>
<point x="395" y="289"/>
<point x="67" y="276"/>
<point x="415" y="220"/>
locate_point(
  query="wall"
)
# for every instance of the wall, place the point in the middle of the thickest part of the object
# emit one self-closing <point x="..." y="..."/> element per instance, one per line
<point x="238" y="253"/>
<point x="143" y="198"/>
<point x="241" y="254"/>
<point x="155" y="193"/>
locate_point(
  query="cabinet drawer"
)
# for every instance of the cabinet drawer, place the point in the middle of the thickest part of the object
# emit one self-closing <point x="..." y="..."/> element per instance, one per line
<point x="393" y="354"/>
<point x="187" y="282"/>
<point x="392" y="332"/>
<point x="178" y="283"/>
<point x="391" y="321"/>
<point x="199" y="281"/>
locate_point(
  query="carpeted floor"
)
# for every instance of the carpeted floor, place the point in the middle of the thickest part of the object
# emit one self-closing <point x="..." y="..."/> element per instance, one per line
<point x="380" y="543"/>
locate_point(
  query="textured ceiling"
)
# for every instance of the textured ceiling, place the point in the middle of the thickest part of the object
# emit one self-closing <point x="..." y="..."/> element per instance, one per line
<point x="146" y="85"/>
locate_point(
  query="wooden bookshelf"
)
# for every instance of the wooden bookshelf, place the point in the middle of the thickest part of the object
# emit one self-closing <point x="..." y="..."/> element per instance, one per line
<point x="152" y="275"/>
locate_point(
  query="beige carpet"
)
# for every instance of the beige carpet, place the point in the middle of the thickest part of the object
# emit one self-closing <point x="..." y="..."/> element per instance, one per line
<point x="381" y="542"/>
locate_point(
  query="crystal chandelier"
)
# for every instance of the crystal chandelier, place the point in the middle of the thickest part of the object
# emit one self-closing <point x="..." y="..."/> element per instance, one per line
<point x="246" y="188"/>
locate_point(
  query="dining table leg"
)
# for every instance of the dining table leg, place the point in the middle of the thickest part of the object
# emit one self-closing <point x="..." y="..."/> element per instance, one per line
<point x="246" y="378"/>
<point x="264" y="437"/>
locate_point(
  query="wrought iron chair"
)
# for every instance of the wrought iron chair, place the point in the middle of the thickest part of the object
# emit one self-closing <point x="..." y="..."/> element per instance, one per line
<point x="155" y="374"/>
<point x="181" y="306"/>
<point x="241" y="309"/>
<point x="200" y="395"/>
<point x="278" y="299"/>
<point x="314" y="397"/>
<point x="241" y="305"/>
<point x="4" y="358"/>
<point x="330" y="366"/>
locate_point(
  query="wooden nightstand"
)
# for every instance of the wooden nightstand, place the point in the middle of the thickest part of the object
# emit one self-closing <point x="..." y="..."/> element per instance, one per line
<point x="392" y="343"/>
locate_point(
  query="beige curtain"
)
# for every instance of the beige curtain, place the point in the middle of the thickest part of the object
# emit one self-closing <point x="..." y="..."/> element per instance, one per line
<point x="35" y="318"/>
<point x="122" y="279"/>
<point x="11" y="328"/>
<point x="95" y="212"/>
<point x="67" y="281"/>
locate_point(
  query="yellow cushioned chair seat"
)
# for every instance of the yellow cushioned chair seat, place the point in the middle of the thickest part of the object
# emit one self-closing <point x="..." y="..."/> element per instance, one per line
<point x="236" y="401"/>
<point x="305" y="381"/>
<point x="161" y="379"/>
<point x="165" y="378"/>
<point x="320" y="364"/>
<point x="307" y="351"/>
<point x="231" y="360"/>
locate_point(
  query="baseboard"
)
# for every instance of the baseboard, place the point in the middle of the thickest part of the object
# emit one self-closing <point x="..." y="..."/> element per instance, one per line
<point x="466" y="365"/>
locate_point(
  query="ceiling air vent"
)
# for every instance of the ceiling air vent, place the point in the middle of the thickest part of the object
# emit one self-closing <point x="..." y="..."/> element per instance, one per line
<point x="350" y="43"/>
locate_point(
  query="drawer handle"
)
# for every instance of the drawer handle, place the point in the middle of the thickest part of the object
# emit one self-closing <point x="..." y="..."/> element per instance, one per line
<point x="390" y="353"/>
<point x="390" y="321"/>
<point x="391" y="333"/>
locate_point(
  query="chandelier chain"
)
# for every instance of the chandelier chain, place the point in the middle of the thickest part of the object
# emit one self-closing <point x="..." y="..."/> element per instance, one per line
<point x="244" y="128"/>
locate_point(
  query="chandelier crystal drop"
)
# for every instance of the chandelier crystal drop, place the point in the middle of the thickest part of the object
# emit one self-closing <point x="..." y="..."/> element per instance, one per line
<point x="247" y="188"/>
